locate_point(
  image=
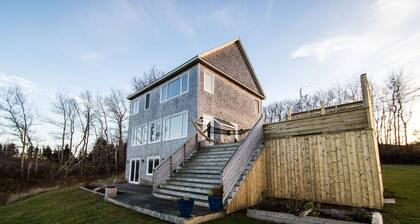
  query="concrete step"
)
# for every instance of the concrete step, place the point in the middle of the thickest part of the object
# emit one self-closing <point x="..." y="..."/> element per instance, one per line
<point x="185" y="189"/>
<point x="191" y="184"/>
<point x="201" y="167"/>
<point x="181" y="194"/>
<point x="210" y="160"/>
<point x="196" y="180"/>
<point x="217" y="151"/>
<point x="200" y="171"/>
<point x="206" y="156"/>
<point x="197" y="202"/>
<point x="218" y="146"/>
<point x="202" y="176"/>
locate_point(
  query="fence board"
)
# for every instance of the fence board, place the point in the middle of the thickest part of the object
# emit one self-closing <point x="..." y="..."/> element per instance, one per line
<point x="340" y="165"/>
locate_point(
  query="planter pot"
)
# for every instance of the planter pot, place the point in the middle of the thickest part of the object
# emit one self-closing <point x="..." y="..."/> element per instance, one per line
<point x="215" y="203"/>
<point x="185" y="207"/>
<point x="111" y="192"/>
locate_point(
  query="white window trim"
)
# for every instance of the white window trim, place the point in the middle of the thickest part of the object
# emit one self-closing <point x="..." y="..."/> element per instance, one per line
<point x="133" y="104"/>
<point x="147" y="164"/>
<point x="145" y="100"/>
<point x="185" y="128"/>
<point x="133" y="135"/>
<point x="209" y="73"/>
<point x="187" y="73"/>
<point x="161" y="130"/>
<point x="129" y="175"/>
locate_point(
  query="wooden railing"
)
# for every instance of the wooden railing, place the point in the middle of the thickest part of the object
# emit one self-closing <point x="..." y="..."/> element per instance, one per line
<point x="236" y="165"/>
<point x="164" y="170"/>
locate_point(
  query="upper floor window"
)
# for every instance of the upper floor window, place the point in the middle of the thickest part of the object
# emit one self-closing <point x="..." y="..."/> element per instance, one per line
<point x="135" y="106"/>
<point x="257" y="106"/>
<point x="140" y="135"/>
<point x="208" y="82"/>
<point x="147" y="103"/>
<point x="174" y="88"/>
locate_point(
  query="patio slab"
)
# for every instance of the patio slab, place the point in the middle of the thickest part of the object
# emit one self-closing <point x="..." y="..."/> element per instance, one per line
<point x="140" y="198"/>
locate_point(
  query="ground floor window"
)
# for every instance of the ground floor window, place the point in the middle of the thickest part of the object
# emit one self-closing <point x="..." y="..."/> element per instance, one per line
<point x="152" y="163"/>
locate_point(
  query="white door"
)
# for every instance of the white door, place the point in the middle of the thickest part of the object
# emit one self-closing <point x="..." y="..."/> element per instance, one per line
<point x="134" y="171"/>
<point x="208" y="119"/>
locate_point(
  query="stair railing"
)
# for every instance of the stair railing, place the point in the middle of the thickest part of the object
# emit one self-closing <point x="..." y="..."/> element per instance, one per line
<point x="165" y="169"/>
<point x="237" y="164"/>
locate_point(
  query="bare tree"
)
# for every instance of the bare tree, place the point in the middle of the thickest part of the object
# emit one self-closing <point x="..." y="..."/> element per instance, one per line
<point x="139" y="82"/>
<point x="85" y="115"/>
<point x="19" y="117"/>
<point x="61" y="107"/>
<point x="118" y="111"/>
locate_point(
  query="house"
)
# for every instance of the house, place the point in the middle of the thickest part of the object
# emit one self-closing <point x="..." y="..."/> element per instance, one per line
<point x="218" y="88"/>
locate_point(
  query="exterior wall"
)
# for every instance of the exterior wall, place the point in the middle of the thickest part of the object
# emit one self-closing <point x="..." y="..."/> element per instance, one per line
<point x="229" y="102"/>
<point x="231" y="61"/>
<point x="157" y="110"/>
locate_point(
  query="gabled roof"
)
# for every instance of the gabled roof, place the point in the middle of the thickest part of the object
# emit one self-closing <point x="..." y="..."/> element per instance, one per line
<point x="201" y="58"/>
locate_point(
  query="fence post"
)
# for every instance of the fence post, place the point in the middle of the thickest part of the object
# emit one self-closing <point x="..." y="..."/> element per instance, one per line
<point x="185" y="146"/>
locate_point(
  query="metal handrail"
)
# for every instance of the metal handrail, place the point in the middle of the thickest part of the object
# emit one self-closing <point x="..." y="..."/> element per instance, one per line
<point x="165" y="169"/>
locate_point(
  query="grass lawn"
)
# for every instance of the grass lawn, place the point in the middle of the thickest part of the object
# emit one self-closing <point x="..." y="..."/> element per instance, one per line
<point x="71" y="205"/>
<point x="403" y="182"/>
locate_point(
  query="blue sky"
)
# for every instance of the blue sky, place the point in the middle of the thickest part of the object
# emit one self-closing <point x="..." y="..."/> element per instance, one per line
<point x="47" y="46"/>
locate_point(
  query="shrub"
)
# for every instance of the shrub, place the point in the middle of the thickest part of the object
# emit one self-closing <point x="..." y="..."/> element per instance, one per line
<point x="394" y="154"/>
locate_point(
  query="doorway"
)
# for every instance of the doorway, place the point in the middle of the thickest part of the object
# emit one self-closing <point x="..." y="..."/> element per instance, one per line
<point x="134" y="171"/>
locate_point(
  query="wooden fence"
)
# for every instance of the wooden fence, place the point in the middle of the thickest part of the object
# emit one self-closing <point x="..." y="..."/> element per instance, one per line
<point x="328" y="155"/>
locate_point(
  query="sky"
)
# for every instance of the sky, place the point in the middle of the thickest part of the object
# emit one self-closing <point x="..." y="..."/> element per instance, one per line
<point x="51" y="46"/>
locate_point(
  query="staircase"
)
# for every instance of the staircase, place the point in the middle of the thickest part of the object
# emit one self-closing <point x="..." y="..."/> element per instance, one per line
<point x="200" y="172"/>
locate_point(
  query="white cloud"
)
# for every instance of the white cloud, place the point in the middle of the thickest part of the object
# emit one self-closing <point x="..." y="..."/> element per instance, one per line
<point x="12" y="80"/>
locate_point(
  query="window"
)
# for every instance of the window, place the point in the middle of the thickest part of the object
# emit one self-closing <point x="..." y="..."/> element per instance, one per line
<point x="147" y="103"/>
<point x="140" y="135"/>
<point x="174" y="88"/>
<point x="134" y="171"/>
<point x="152" y="163"/>
<point x="257" y="106"/>
<point x="175" y="126"/>
<point x="135" y="107"/>
<point x="208" y="82"/>
<point x="155" y="129"/>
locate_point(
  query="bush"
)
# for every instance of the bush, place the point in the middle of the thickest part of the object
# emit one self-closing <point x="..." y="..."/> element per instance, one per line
<point x="394" y="154"/>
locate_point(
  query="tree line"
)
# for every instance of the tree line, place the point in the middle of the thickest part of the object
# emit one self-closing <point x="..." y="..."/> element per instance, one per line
<point x="393" y="99"/>
<point x="90" y="131"/>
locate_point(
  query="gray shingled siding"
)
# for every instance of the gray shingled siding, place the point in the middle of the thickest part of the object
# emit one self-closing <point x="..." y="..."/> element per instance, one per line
<point x="157" y="110"/>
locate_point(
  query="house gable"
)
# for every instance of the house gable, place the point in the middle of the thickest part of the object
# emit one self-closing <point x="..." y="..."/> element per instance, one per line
<point x="231" y="59"/>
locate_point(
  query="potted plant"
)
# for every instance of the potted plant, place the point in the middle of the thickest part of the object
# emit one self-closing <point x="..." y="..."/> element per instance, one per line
<point x="216" y="198"/>
<point x="186" y="205"/>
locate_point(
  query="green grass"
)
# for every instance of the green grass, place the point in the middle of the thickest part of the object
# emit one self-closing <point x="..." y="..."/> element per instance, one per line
<point x="403" y="183"/>
<point x="72" y="205"/>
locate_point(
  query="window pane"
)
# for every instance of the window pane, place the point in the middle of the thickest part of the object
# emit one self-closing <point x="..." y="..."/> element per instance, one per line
<point x="150" y="166"/>
<point x="147" y="101"/>
<point x="184" y="83"/>
<point x="138" y="136"/>
<point x="155" y="131"/>
<point x="174" y="88"/>
<point x="208" y="82"/>
<point x="136" y="178"/>
<point x="132" y="170"/>
<point x="166" y="124"/>
<point x="164" y="93"/>
<point x="156" y="162"/>
<point x="176" y="127"/>
<point x="184" y="124"/>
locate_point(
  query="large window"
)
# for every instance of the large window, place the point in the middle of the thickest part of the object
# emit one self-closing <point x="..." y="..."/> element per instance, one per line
<point x="174" y="88"/>
<point x="175" y="126"/>
<point x="208" y="82"/>
<point x="135" y="107"/>
<point x="140" y="135"/>
<point x="152" y="163"/>
<point x="155" y="129"/>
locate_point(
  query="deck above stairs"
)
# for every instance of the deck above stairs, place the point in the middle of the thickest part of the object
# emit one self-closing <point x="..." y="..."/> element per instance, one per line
<point x="200" y="173"/>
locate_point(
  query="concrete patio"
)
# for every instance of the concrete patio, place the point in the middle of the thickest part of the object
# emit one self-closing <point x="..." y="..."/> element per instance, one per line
<point x="140" y="198"/>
